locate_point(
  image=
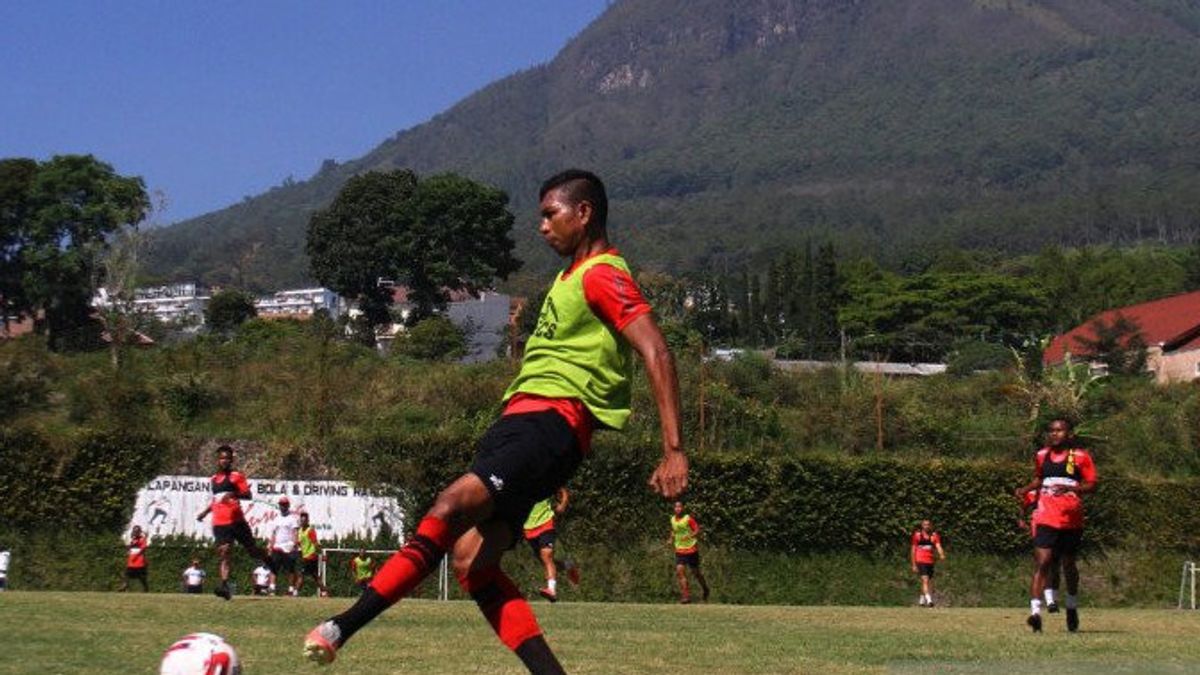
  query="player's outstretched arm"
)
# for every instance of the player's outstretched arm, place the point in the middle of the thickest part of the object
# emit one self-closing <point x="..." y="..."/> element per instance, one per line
<point x="670" y="477"/>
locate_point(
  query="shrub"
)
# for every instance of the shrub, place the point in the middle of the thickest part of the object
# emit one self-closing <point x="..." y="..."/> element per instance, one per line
<point x="432" y="339"/>
<point x="186" y="396"/>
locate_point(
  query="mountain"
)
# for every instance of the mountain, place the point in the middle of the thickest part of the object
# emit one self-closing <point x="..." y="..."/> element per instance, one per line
<point x="726" y="130"/>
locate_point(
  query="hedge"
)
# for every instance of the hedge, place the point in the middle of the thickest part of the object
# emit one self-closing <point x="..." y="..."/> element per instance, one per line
<point x="803" y="504"/>
<point x="88" y="482"/>
<point x="617" y="571"/>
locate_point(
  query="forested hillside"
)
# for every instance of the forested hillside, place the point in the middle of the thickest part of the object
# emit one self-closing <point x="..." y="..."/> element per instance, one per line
<point x="725" y="130"/>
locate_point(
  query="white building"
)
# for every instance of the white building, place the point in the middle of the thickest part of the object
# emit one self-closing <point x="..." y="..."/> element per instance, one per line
<point x="302" y="303"/>
<point x="172" y="304"/>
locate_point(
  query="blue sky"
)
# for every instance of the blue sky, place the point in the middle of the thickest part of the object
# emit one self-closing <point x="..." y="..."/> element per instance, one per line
<point x="212" y="101"/>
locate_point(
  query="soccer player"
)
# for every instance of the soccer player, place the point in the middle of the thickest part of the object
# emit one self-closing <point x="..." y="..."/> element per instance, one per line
<point x="574" y="377"/>
<point x="193" y="578"/>
<point x="1028" y="521"/>
<point x="1062" y="472"/>
<point x="310" y="557"/>
<point x="685" y="535"/>
<point x="5" y="558"/>
<point x="924" y="542"/>
<point x="260" y="578"/>
<point x="135" y="562"/>
<point x="362" y="568"/>
<point x="229" y="487"/>
<point x="541" y="535"/>
<point x="285" y="543"/>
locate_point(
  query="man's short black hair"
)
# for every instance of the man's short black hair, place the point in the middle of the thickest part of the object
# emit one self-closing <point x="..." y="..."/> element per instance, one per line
<point x="580" y="186"/>
<point x="224" y="448"/>
<point x="1064" y="419"/>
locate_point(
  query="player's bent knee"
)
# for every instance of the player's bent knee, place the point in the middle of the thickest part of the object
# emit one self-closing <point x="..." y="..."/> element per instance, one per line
<point x="464" y="502"/>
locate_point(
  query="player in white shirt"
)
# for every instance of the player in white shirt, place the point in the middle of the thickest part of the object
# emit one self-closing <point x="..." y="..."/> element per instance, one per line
<point x="5" y="557"/>
<point x="261" y="577"/>
<point x="285" y="545"/>
<point x="193" y="578"/>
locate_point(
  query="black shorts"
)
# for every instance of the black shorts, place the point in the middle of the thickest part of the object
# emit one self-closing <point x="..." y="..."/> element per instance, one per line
<point x="690" y="559"/>
<point x="135" y="572"/>
<point x="925" y="570"/>
<point x="238" y="531"/>
<point x="523" y="459"/>
<point x="285" y="563"/>
<point x="309" y="567"/>
<point x="193" y="590"/>
<point x="543" y="540"/>
<point x="1059" y="541"/>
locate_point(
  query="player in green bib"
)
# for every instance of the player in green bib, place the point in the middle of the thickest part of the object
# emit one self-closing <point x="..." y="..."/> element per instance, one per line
<point x="542" y="535"/>
<point x="362" y="566"/>
<point x="685" y="538"/>
<point x="310" y="557"/>
<point x="574" y="379"/>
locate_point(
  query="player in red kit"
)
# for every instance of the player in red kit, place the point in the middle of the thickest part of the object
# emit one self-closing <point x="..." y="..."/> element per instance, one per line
<point x="1062" y="473"/>
<point x="135" y="563"/>
<point x="924" y="543"/>
<point x="229" y="524"/>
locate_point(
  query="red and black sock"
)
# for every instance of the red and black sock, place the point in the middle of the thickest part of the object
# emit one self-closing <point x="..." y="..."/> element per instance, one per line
<point x="511" y="617"/>
<point x="398" y="576"/>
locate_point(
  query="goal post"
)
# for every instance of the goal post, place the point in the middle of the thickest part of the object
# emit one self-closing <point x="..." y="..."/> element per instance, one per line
<point x="380" y="555"/>
<point x="1187" y="585"/>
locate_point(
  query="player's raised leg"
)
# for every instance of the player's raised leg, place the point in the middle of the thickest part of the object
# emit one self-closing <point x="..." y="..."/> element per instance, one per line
<point x="457" y="509"/>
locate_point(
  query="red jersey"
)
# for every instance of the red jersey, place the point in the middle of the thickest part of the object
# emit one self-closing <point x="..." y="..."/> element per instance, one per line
<point x="228" y="489"/>
<point x="615" y="299"/>
<point x="923" y="547"/>
<point x="137" y="553"/>
<point x="1062" y="468"/>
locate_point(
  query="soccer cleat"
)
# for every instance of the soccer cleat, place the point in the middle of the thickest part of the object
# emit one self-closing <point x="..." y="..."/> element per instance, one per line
<point x="921" y="601"/>
<point x="222" y="591"/>
<point x="685" y="600"/>
<point x="548" y="594"/>
<point x="321" y="643"/>
<point x="1072" y="619"/>
<point x="1035" y="622"/>
<point x="1052" y="608"/>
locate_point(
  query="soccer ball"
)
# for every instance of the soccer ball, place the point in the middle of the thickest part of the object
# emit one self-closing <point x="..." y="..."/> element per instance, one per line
<point x="200" y="654"/>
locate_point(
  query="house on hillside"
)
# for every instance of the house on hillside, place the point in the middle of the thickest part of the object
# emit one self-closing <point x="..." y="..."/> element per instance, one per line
<point x="301" y="303"/>
<point x="1170" y="327"/>
<point x="173" y="304"/>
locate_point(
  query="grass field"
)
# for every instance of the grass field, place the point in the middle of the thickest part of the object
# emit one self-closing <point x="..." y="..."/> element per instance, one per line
<point x="110" y="633"/>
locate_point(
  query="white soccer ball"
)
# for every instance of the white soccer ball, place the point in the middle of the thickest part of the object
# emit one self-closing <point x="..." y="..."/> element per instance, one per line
<point x="200" y="654"/>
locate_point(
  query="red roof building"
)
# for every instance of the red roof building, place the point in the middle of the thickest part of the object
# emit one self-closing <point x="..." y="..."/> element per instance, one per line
<point x="1170" y="327"/>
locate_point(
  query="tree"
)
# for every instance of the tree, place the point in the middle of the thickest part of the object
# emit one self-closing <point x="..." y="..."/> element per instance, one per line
<point x="1118" y="344"/>
<point x="229" y="309"/>
<point x="433" y="339"/>
<point x="456" y="238"/>
<point x="435" y="235"/>
<point x="55" y="218"/>
<point x="16" y="179"/>
<point x="920" y="318"/>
